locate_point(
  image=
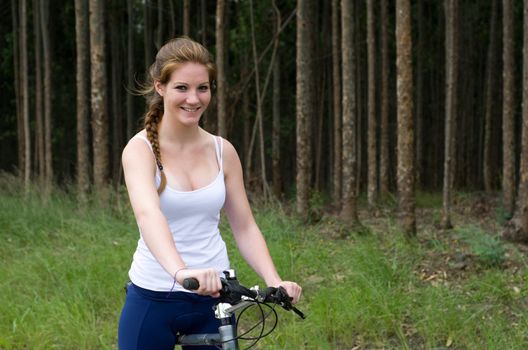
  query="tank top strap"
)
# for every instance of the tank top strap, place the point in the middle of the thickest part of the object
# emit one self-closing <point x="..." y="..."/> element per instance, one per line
<point x="219" y="147"/>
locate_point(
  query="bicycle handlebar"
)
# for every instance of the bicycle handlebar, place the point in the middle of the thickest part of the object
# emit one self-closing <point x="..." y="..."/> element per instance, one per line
<point x="233" y="292"/>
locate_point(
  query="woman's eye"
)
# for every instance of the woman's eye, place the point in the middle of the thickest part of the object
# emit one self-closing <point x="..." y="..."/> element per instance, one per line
<point x="181" y="87"/>
<point x="203" y="88"/>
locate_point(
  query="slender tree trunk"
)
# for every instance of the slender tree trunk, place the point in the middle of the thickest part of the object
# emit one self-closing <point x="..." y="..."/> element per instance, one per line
<point x="508" y="121"/>
<point x="130" y="125"/>
<point x="187" y="17"/>
<point x="172" y="19"/>
<point x="276" y="129"/>
<point x="147" y="32"/>
<point x="39" y="120"/>
<point x="82" y="82"/>
<point x="203" y="15"/>
<point x="420" y="95"/>
<point x="99" y="96"/>
<point x="117" y="101"/>
<point x="159" y="31"/>
<point x="406" y="155"/>
<point x="336" y="79"/>
<point x="384" y="108"/>
<point x="450" y="109"/>
<point x="304" y="103"/>
<point x="220" y="65"/>
<point x="15" y="15"/>
<point x="372" y="187"/>
<point x="24" y="82"/>
<point x="46" y="44"/>
<point x="490" y="94"/>
<point x="517" y="227"/>
<point x="348" y="64"/>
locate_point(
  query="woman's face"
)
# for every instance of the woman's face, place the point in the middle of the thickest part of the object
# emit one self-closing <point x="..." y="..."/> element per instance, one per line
<point x="187" y="94"/>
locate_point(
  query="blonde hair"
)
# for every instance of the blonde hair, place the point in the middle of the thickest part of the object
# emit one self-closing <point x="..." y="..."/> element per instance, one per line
<point x="169" y="58"/>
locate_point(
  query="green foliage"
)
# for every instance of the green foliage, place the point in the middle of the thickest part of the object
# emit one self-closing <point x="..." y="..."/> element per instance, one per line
<point x="489" y="249"/>
<point x="65" y="266"/>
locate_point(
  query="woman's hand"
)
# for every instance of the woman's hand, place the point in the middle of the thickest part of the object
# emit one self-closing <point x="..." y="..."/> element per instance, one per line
<point x="293" y="290"/>
<point x="207" y="278"/>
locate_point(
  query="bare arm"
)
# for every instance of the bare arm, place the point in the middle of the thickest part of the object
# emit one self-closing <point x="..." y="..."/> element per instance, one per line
<point x="247" y="235"/>
<point x="139" y="169"/>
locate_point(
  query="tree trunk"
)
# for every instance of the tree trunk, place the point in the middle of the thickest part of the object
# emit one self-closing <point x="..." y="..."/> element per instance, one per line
<point x="406" y="155"/>
<point x="508" y="121"/>
<point x="517" y="228"/>
<point x="82" y="80"/>
<point x="420" y="56"/>
<point x="117" y="101"/>
<point x="203" y="15"/>
<point x="384" y="108"/>
<point x="304" y="102"/>
<point x="130" y="124"/>
<point x="99" y="95"/>
<point x="348" y="64"/>
<point x="336" y="79"/>
<point x="46" y="44"/>
<point x="372" y="182"/>
<point x="276" y="129"/>
<point x="220" y="66"/>
<point x="39" y="120"/>
<point x="187" y="17"/>
<point x="450" y="108"/>
<point x="490" y="94"/>
<point x="15" y="14"/>
<point x="159" y="31"/>
<point x="24" y="82"/>
<point x="147" y="33"/>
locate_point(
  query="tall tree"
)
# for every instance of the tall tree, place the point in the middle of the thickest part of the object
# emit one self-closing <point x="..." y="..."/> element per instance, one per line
<point x="372" y="188"/>
<point x="187" y="17"/>
<point x="39" y="120"/>
<point x="24" y="82"/>
<point x="82" y="81"/>
<point x="490" y="94"/>
<point x="508" y="121"/>
<point x="419" y="115"/>
<point x="336" y="103"/>
<point x="116" y="89"/>
<point x="99" y="95"/>
<point x="348" y="64"/>
<point x="46" y="45"/>
<point x="384" y="108"/>
<point x="517" y="227"/>
<point x="220" y="66"/>
<point x="130" y="69"/>
<point x="276" y="127"/>
<point x="304" y="102"/>
<point x="147" y="32"/>
<point x="451" y="11"/>
<point x="406" y="171"/>
<point x="15" y="14"/>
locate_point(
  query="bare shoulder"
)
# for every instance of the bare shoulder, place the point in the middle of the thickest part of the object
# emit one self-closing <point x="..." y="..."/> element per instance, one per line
<point x="137" y="151"/>
<point x="230" y="153"/>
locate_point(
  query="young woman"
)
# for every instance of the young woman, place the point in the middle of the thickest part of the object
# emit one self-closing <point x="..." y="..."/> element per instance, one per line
<point x="178" y="178"/>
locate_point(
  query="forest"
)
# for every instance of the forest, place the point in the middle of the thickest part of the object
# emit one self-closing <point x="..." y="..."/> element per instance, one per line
<point x="356" y="119"/>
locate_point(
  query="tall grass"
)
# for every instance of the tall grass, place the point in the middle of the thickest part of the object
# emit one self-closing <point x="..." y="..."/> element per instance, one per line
<point x="64" y="268"/>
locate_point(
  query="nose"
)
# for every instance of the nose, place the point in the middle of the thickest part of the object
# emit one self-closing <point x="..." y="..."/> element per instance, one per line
<point x="192" y="97"/>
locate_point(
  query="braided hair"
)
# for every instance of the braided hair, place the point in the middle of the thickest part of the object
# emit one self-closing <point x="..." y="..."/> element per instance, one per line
<point x="171" y="56"/>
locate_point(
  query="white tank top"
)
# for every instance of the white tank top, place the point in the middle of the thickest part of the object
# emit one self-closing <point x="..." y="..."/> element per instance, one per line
<point x="193" y="218"/>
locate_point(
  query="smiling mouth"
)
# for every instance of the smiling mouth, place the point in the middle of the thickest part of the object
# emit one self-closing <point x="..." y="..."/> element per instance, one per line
<point x="190" y="109"/>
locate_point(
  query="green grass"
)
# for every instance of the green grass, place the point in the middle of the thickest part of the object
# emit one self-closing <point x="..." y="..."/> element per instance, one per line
<point x="64" y="268"/>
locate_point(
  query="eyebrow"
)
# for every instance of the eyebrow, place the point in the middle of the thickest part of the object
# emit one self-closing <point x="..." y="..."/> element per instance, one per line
<point x="184" y="83"/>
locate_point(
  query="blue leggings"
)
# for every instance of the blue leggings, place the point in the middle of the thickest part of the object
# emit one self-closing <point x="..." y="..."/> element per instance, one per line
<point x="153" y="320"/>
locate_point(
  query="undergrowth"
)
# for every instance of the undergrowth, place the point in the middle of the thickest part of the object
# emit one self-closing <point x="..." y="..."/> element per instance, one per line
<point x="65" y="265"/>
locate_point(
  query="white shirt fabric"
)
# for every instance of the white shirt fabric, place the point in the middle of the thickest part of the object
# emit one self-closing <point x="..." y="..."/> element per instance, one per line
<point x="193" y="218"/>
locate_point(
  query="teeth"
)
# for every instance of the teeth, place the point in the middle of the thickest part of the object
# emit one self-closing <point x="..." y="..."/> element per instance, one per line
<point x="190" y="109"/>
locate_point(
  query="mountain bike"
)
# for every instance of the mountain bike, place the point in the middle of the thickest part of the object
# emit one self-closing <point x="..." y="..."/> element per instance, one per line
<point x="234" y="298"/>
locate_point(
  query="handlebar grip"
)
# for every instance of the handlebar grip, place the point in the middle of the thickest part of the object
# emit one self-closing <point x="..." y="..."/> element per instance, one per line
<point x="191" y="283"/>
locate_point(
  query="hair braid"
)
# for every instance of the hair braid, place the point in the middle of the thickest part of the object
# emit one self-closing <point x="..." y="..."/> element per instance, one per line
<point x="152" y="120"/>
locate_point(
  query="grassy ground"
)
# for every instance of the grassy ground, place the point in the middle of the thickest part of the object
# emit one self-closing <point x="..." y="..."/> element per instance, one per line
<point x="64" y="268"/>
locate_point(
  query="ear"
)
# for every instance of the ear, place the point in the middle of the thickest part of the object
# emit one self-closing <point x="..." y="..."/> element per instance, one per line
<point x="160" y="88"/>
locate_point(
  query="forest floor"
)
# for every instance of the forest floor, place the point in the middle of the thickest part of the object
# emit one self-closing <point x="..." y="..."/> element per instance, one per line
<point x="463" y="288"/>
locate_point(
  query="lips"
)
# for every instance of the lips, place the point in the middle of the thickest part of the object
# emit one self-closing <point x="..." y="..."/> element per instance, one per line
<point x="191" y="110"/>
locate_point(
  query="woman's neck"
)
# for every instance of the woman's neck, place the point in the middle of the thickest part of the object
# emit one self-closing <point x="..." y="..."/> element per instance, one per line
<point x="178" y="133"/>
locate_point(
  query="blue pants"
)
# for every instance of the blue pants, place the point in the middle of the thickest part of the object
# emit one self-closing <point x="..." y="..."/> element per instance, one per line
<point x="153" y="320"/>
